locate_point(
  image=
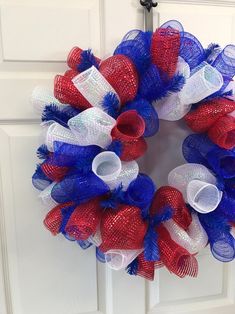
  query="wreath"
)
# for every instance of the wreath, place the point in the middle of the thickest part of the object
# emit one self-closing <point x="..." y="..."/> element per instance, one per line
<point x="95" y="126"/>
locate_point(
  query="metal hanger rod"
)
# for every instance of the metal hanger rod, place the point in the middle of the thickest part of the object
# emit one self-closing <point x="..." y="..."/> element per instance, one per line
<point x="148" y="13"/>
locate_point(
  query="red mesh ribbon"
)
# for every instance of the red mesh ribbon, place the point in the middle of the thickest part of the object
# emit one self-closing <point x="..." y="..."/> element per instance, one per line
<point x="55" y="173"/>
<point x="169" y="196"/>
<point x="222" y="132"/>
<point x="165" y="49"/>
<point x="175" y="258"/>
<point x="67" y="93"/>
<point x="54" y="218"/>
<point x="122" y="228"/>
<point x="129" y="130"/>
<point x="84" y="220"/>
<point x="145" y="268"/>
<point x="71" y="74"/>
<point x="74" y="58"/>
<point x="201" y="119"/>
<point x="121" y="73"/>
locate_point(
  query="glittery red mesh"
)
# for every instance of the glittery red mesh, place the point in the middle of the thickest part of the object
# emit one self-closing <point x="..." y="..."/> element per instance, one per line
<point x="122" y="228"/>
<point x="222" y="132"/>
<point x="130" y="125"/>
<point x="55" y="173"/>
<point x="71" y="74"/>
<point x="175" y="258"/>
<point x="84" y="220"/>
<point x="74" y="58"/>
<point x="121" y="73"/>
<point x="54" y="218"/>
<point x="129" y="130"/>
<point x="201" y="119"/>
<point x="165" y="49"/>
<point x="67" y="93"/>
<point x="145" y="268"/>
<point x="169" y="196"/>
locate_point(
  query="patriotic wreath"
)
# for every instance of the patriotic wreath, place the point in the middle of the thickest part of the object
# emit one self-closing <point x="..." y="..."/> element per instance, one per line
<point x="94" y="128"/>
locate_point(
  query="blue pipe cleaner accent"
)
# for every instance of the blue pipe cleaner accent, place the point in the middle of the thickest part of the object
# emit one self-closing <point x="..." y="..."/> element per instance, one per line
<point x="66" y="213"/>
<point x="43" y="152"/>
<point x="53" y="112"/>
<point x="153" y="87"/>
<point x="210" y="52"/>
<point x="110" y="104"/>
<point x="87" y="61"/>
<point x="116" y="147"/>
<point x="151" y="249"/>
<point x="132" y="268"/>
<point x="84" y="244"/>
<point x="39" y="180"/>
<point x="115" y="198"/>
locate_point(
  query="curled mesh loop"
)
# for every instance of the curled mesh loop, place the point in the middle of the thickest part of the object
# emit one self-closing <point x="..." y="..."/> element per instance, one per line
<point x="222" y="132"/>
<point x="193" y="240"/>
<point x="53" y="172"/>
<point x="92" y="127"/>
<point x="41" y="97"/>
<point x="107" y="166"/>
<point x="93" y="86"/>
<point x="201" y="119"/>
<point x="67" y="93"/>
<point x="147" y="112"/>
<point x="203" y="83"/>
<point x="129" y="126"/>
<point x="120" y="259"/>
<point x="182" y="175"/>
<point x="46" y="198"/>
<point x="79" y="188"/>
<point x="54" y="218"/>
<point x="173" y="24"/>
<point x="191" y="49"/>
<point x="169" y="196"/>
<point x="165" y="50"/>
<point x="75" y="58"/>
<point x="123" y="229"/>
<point x="121" y="73"/>
<point x="84" y="220"/>
<point x="129" y="172"/>
<point x="136" y="46"/>
<point x="39" y="180"/>
<point x="177" y="260"/>
<point x="202" y="196"/>
<point x="58" y="133"/>
<point x="222" y="161"/>
<point x="134" y="194"/>
<point x="225" y="62"/>
<point x="221" y="241"/>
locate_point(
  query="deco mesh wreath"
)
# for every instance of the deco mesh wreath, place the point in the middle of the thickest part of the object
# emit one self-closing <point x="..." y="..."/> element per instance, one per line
<point x="95" y="127"/>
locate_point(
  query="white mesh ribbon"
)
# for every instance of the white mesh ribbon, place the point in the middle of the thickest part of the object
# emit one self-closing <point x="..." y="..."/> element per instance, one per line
<point x="119" y="259"/>
<point x="41" y="97"/>
<point x="203" y="83"/>
<point x="193" y="240"/>
<point x="93" y="86"/>
<point x="92" y="127"/>
<point x="198" y="186"/>
<point x="46" y="198"/>
<point x="57" y="132"/>
<point x="109" y="168"/>
<point x="171" y="108"/>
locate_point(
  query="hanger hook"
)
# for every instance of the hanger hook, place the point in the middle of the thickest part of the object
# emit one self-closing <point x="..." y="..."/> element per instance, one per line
<point x="149" y="4"/>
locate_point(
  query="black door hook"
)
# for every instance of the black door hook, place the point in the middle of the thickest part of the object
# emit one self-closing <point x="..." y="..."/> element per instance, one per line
<point x="149" y="4"/>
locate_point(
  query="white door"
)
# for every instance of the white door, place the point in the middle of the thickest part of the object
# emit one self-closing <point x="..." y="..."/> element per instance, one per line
<point x="40" y="274"/>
